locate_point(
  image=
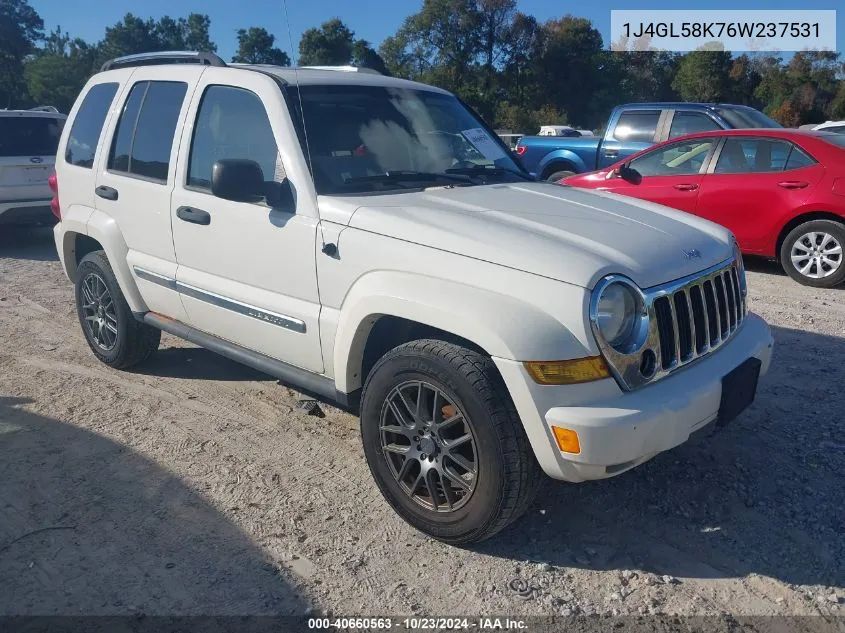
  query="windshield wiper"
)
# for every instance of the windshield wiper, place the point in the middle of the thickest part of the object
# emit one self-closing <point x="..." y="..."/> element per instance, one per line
<point x="399" y="176"/>
<point x="481" y="170"/>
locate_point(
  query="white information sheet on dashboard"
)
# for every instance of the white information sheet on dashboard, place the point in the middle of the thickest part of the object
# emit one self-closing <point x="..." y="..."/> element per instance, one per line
<point x="483" y="143"/>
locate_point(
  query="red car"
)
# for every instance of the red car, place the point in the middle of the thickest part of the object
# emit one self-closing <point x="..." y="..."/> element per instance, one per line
<point x="781" y="192"/>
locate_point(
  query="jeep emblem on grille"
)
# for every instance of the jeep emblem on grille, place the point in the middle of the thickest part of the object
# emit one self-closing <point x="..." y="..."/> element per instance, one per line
<point x="691" y="254"/>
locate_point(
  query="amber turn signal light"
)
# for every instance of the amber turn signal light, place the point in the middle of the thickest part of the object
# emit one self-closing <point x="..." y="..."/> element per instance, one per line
<point x="567" y="440"/>
<point x="568" y="372"/>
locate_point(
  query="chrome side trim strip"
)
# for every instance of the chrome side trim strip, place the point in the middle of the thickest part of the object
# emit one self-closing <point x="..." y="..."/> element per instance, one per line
<point x="156" y="278"/>
<point x="289" y="323"/>
<point x="280" y="320"/>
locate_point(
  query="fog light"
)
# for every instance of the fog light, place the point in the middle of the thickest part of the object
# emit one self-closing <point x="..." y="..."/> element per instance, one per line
<point x="567" y="440"/>
<point x="648" y="364"/>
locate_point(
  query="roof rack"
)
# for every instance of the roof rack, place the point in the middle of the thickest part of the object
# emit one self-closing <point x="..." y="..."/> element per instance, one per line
<point x="44" y="108"/>
<point x="163" y="57"/>
<point x="345" y="69"/>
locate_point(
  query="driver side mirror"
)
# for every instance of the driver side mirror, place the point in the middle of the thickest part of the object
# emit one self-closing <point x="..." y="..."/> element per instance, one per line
<point x="242" y="180"/>
<point x="627" y="174"/>
<point x="237" y="179"/>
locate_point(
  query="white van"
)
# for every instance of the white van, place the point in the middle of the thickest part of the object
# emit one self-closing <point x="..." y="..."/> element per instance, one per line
<point x="28" y="143"/>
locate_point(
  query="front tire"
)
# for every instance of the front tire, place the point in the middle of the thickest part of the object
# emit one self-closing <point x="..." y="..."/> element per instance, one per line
<point x="113" y="334"/>
<point x="558" y="175"/>
<point x="812" y="253"/>
<point x="444" y="443"/>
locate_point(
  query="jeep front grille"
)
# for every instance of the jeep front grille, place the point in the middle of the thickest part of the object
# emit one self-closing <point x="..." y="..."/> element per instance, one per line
<point x="687" y="319"/>
<point x="698" y="316"/>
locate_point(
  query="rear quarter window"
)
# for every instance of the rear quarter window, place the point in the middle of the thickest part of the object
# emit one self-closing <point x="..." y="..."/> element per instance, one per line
<point x="637" y="126"/>
<point x="798" y="158"/>
<point x="88" y="125"/>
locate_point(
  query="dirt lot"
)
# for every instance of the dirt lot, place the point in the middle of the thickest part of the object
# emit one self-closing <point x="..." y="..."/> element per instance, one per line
<point x="195" y="486"/>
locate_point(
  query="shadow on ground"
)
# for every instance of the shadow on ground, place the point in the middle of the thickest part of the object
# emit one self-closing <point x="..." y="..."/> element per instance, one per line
<point x="89" y="527"/>
<point x="763" y="265"/>
<point x="765" y="494"/>
<point x="198" y="364"/>
<point x="767" y="266"/>
<point x="28" y="243"/>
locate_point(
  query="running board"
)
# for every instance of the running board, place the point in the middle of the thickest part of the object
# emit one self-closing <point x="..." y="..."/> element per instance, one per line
<point x="306" y="381"/>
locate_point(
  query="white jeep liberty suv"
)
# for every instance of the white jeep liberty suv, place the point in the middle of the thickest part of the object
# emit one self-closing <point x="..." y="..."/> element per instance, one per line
<point x="370" y="241"/>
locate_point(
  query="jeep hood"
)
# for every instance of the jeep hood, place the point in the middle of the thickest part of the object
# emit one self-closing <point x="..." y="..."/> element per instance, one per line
<point x="572" y="235"/>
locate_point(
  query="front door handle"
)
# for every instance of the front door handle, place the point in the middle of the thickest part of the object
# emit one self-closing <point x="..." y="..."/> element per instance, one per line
<point x="793" y="184"/>
<point x="194" y="216"/>
<point x="109" y="193"/>
<point x="686" y="186"/>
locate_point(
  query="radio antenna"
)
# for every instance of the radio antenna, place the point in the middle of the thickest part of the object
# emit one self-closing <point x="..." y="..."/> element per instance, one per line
<point x="298" y="91"/>
<point x="329" y="249"/>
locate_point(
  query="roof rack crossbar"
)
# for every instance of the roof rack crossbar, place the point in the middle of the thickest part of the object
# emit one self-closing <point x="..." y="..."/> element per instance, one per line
<point x="44" y="108"/>
<point x="163" y="57"/>
<point x="346" y="69"/>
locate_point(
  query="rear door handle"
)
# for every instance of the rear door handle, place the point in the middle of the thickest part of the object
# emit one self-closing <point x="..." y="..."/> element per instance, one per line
<point x="109" y="193"/>
<point x="194" y="216"/>
<point x="793" y="184"/>
<point x="685" y="186"/>
<point x="611" y="153"/>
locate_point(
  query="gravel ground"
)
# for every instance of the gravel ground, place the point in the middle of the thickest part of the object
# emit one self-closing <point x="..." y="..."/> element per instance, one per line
<point x="197" y="486"/>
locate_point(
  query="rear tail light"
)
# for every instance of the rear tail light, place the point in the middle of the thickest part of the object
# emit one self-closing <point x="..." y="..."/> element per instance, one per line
<point x="520" y="150"/>
<point x="53" y="181"/>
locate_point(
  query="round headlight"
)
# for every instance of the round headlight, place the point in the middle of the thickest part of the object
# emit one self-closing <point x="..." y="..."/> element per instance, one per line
<point x="619" y="315"/>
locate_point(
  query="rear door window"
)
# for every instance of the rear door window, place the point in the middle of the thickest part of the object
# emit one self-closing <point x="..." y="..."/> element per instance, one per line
<point x="29" y="136"/>
<point x="637" y="125"/>
<point x="88" y="124"/>
<point x="121" y="146"/>
<point x="691" y="122"/>
<point x="144" y="136"/>
<point x="752" y="156"/>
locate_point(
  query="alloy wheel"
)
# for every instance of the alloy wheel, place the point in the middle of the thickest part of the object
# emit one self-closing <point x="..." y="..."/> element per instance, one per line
<point x="816" y="255"/>
<point x="429" y="445"/>
<point x="98" y="310"/>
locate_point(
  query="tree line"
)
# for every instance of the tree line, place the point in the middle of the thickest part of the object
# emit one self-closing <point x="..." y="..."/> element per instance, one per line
<point x="516" y="71"/>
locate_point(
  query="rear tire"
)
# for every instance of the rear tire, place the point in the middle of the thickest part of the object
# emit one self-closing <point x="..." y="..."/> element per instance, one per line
<point x="113" y="333"/>
<point x="500" y="475"/>
<point x="554" y="177"/>
<point x="817" y="248"/>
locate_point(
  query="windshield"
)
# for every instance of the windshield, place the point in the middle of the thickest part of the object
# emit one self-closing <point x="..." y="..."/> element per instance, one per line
<point x="29" y="136"/>
<point x="365" y="139"/>
<point x="744" y="118"/>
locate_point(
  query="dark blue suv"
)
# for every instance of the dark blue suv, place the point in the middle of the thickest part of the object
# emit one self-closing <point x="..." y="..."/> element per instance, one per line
<point x="632" y="127"/>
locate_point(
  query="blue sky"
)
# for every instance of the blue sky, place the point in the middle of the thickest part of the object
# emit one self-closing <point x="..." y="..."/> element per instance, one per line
<point x="370" y="19"/>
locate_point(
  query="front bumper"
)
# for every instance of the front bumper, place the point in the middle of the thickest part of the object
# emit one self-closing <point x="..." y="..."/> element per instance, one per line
<point x="619" y="430"/>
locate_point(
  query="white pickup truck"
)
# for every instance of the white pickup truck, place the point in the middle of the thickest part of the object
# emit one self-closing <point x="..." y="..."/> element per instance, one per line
<point x="371" y="241"/>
